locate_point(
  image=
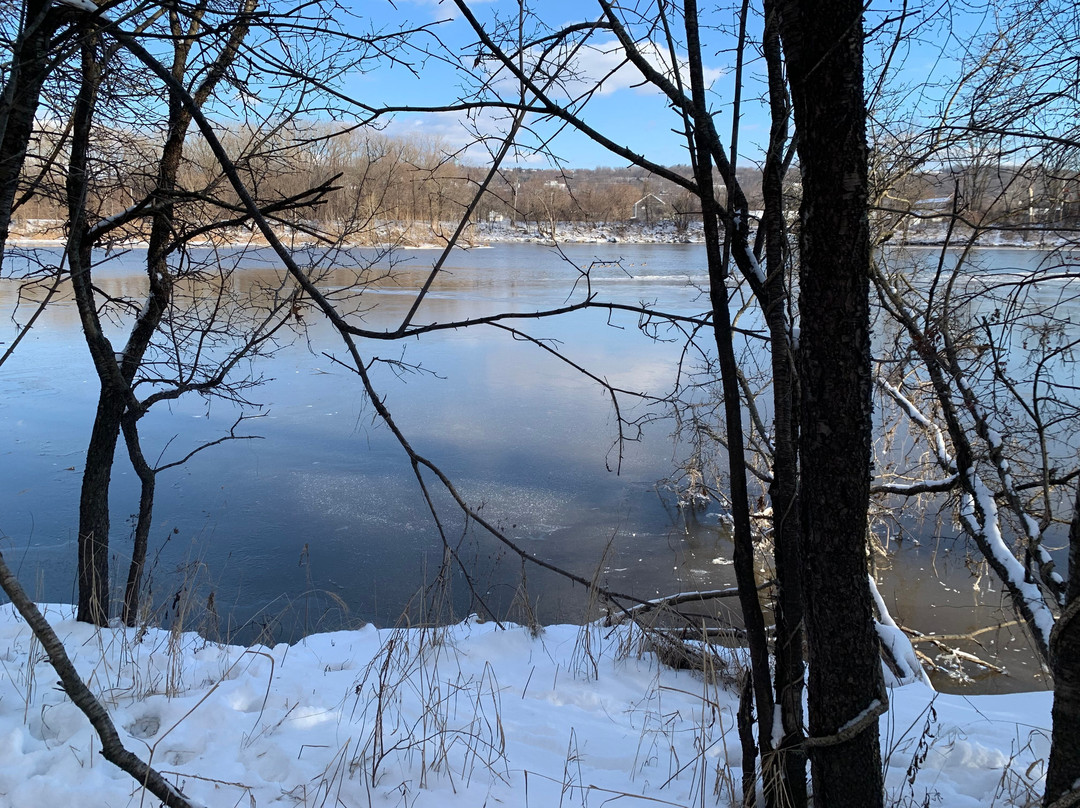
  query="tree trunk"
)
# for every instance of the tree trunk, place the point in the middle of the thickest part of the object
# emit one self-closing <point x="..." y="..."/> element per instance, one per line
<point x="112" y="748"/>
<point x="117" y="372"/>
<point x="1064" y="769"/>
<point x="823" y="45"/>
<point x="753" y="619"/>
<point x="148" y="484"/>
<point x="30" y="62"/>
<point x="93" y="605"/>
<point x="93" y="569"/>
<point x="783" y="491"/>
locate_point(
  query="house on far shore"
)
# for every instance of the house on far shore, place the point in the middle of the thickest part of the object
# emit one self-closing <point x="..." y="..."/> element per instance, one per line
<point x="935" y="209"/>
<point x="650" y="208"/>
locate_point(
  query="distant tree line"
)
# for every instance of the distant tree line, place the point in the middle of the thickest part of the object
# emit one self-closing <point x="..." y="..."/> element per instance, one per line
<point x="379" y="179"/>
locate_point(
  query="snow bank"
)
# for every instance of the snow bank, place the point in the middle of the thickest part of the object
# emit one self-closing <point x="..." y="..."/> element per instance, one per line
<point x="665" y="232"/>
<point x="461" y="716"/>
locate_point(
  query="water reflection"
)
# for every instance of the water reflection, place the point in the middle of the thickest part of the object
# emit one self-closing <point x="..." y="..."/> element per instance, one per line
<point x="324" y="510"/>
<point x="519" y="432"/>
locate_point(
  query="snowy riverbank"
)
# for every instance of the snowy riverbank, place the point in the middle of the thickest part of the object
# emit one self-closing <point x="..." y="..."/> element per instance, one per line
<point x="48" y="233"/>
<point x="468" y="715"/>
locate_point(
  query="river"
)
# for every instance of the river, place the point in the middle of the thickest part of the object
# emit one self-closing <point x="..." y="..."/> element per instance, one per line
<point x="321" y="521"/>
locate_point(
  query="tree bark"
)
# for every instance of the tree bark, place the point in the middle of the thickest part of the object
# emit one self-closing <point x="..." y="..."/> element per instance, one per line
<point x="1064" y="768"/>
<point x="30" y="60"/>
<point x="148" y="484"/>
<point x="753" y="619"/>
<point x="94" y="520"/>
<point x="784" y="489"/>
<point x="823" y="45"/>
<point x="93" y="562"/>
<point x="116" y="373"/>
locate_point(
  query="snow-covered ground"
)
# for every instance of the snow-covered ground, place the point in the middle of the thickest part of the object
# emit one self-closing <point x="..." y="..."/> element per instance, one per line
<point x="666" y="232"/>
<point x="46" y="233"/>
<point x="468" y="715"/>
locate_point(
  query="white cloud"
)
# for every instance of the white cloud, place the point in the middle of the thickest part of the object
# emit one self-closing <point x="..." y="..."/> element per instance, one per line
<point x="441" y="9"/>
<point x="603" y="65"/>
<point x="600" y="67"/>
<point x="461" y="135"/>
<point x="598" y="62"/>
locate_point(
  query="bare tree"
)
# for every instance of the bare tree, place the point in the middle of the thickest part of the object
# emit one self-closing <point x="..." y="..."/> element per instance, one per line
<point x="191" y="332"/>
<point x="729" y="238"/>
<point x="978" y="366"/>
<point x="824" y="50"/>
<point x="35" y="35"/>
<point x="809" y="289"/>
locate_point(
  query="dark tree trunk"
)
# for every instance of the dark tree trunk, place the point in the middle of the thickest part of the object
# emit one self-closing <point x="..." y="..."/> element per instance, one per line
<point x="93" y="569"/>
<point x="93" y="605"/>
<point x="115" y="374"/>
<point x="148" y="484"/>
<point x="30" y="61"/>
<point x="823" y="45"/>
<point x="783" y="491"/>
<point x="1064" y="769"/>
<point x="753" y="619"/>
<point x="117" y="405"/>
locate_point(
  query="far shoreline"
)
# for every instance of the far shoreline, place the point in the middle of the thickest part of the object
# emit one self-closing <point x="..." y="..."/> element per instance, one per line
<point x="42" y="234"/>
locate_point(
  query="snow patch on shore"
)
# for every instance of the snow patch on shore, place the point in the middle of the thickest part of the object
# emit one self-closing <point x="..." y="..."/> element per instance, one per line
<point x="456" y="716"/>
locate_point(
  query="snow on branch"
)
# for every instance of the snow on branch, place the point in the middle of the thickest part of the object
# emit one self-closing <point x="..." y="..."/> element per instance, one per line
<point x="941" y="451"/>
<point x="896" y="643"/>
<point x="923" y="487"/>
<point x="996" y="452"/>
<point x="979" y="514"/>
<point x="981" y="520"/>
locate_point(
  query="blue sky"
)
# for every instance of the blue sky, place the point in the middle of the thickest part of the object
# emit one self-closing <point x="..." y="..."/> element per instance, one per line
<point x="635" y="116"/>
